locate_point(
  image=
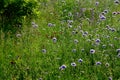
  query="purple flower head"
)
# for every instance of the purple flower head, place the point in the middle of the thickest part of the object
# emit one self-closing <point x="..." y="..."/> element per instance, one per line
<point x="40" y="79"/>
<point x="69" y="14"/>
<point x="118" y="50"/>
<point x="62" y="67"/>
<point x="50" y="24"/>
<point x="103" y="46"/>
<point x="110" y="78"/>
<point x="98" y="63"/>
<point x="114" y="13"/>
<point x="97" y="41"/>
<point x="44" y="50"/>
<point x="80" y="60"/>
<point x="106" y="11"/>
<point x="102" y="17"/>
<point x="18" y="35"/>
<point x="96" y="3"/>
<point x="118" y="55"/>
<point x="82" y="50"/>
<point x="74" y="50"/>
<point x="54" y="39"/>
<point x="107" y="64"/>
<point x="76" y="41"/>
<point x="92" y="51"/>
<point x="73" y="64"/>
<point x="116" y="2"/>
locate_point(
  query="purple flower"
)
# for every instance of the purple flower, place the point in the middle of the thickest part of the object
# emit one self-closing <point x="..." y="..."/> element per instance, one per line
<point x="110" y="78"/>
<point x="106" y="11"/>
<point x="102" y="17"/>
<point x="50" y="24"/>
<point x="96" y="3"/>
<point x="76" y="41"/>
<point x="97" y="40"/>
<point x="40" y="79"/>
<point x="74" y="50"/>
<point x="92" y="51"/>
<point x="54" y="39"/>
<point x="118" y="50"/>
<point x="103" y="46"/>
<point x="62" y="67"/>
<point x="116" y="2"/>
<point x="44" y="50"/>
<point x="73" y="64"/>
<point x="114" y="13"/>
<point x="107" y="64"/>
<point x="80" y="60"/>
<point x="98" y="63"/>
<point x="118" y="55"/>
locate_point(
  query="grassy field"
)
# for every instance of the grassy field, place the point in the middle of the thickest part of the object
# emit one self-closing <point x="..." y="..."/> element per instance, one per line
<point x="70" y="40"/>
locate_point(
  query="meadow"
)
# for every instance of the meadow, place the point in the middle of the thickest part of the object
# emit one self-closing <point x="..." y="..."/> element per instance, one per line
<point x="69" y="40"/>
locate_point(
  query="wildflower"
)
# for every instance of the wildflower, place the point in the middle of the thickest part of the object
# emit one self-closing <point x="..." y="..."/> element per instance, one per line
<point x="76" y="41"/>
<point x="82" y="50"/>
<point x="74" y="50"/>
<point x="118" y="50"/>
<point x="18" y="35"/>
<point x="86" y="32"/>
<point x="92" y="51"/>
<point x="70" y="26"/>
<point x="118" y="55"/>
<point x="106" y="11"/>
<point x="33" y="23"/>
<point x="35" y="26"/>
<point x="69" y="14"/>
<point x="80" y="60"/>
<point x="116" y="2"/>
<point x="62" y="67"/>
<point x="73" y="64"/>
<point x="107" y="64"/>
<point x="70" y="22"/>
<point x="103" y="46"/>
<point x="114" y="13"/>
<point x="96" y="3"/>
<point x="98" y="63"/>
<point x="110" y="78"/>
<point x="44" y="50"/>
<point x="40" y="79"/>
<point x="113" y="29"/>
<point x="107" y="26"/>
<point x="54" y="39"/>
<point x="50" y="24"/>
<point x="102" y="17"/>
<point x="97" y="41"/>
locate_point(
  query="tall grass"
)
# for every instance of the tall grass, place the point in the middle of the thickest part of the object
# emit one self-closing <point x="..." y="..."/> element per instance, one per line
<point x="65" y="31"/>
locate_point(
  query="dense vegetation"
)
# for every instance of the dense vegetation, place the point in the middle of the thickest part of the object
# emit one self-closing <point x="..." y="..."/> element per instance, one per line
<point x="68" y="40"/>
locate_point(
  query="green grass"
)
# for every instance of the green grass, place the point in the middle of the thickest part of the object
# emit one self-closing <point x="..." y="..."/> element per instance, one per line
<point x="21" y="58"/>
